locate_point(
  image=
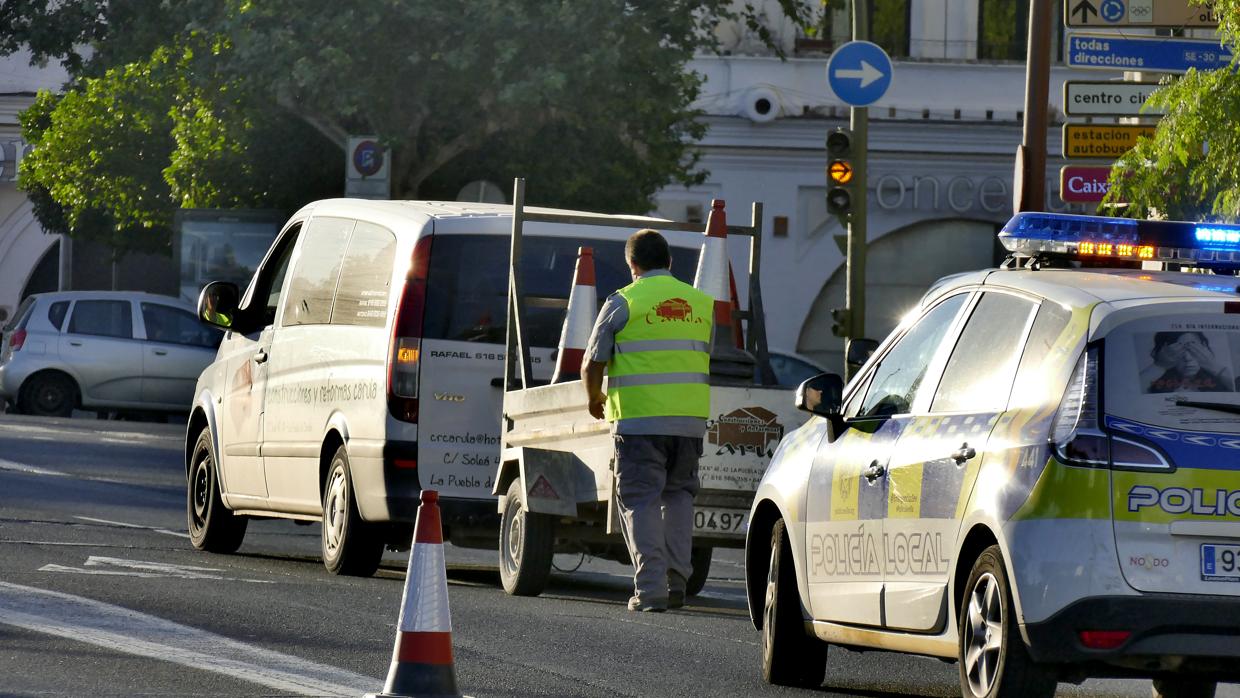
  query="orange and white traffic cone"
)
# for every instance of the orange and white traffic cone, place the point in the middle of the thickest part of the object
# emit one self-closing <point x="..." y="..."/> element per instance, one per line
<point x="422" y="658"/>
<point x="579" y="322"/>
<point x="712" y="278"/>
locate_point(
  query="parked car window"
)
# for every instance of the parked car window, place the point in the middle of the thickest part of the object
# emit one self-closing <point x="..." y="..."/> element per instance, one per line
<point x="467" y="291"/>
<point x="899" y="376"/>
<point x="175" y="326"/>
<point x="102" y="319"/>
<point x="790" y="370"/>
<point x="979" y="374"/>
<point x="313" y="285"/>
<point x="17" y="322"/>
<point x="365" y="278"/>
<point x="56" y="314"/>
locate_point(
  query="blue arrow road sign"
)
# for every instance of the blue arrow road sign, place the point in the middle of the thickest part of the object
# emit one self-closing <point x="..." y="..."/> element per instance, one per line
<point x="859" y="73"/>
<point x="1154" y="53"/>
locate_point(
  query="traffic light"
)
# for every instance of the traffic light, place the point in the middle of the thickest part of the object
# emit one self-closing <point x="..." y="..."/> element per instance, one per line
<point x="841" y="322"/>
<point x="839" y="173"/>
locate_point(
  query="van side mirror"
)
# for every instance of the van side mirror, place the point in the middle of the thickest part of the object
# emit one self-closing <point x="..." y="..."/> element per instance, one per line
<point x="859" y="352"/>
<point x="822" y="395"/>
<point x="217" y="304"/>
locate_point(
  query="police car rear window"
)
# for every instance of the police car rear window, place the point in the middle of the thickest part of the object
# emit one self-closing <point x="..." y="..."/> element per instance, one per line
<point x="468" y="284"/>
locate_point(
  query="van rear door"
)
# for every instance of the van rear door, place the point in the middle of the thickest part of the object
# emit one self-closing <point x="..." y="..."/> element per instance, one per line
<point x="1172" y="409"/>
<point x="462" y="367"/>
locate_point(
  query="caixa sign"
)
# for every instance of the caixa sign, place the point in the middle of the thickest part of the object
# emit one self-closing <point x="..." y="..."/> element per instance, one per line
<point x="1080" y="184"/>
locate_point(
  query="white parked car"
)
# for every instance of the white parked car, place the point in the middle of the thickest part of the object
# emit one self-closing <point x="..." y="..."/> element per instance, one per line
<point x="104" y="351"/>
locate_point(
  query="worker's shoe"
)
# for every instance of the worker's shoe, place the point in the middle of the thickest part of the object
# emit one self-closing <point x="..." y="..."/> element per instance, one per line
<point x="648" y="605"/>
<point x="675" y="599"/>
<point x="676" y="586"/>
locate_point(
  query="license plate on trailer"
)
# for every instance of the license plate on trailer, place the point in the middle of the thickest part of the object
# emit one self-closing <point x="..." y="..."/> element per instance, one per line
<point x="719" y="520"/>
<point x="1220" y="563"/>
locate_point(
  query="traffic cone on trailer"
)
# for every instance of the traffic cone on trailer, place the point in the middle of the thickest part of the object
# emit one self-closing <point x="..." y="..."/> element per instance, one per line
<point x="422" y="658"/>
<point x="579" y="321"/>
<point x="713" y="273"/>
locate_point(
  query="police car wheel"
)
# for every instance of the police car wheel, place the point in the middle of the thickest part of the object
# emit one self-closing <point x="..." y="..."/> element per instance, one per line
<point x="212" y="527"/>
<point x="526" y="546"/>
<point x="994" y="662"/>
<point x="1184" y="687"/>
<point x="350" y="545"/>
<point x="790" y="656"/>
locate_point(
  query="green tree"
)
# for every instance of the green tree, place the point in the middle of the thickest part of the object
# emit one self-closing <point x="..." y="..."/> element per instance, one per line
<point x="1190" y="169"/>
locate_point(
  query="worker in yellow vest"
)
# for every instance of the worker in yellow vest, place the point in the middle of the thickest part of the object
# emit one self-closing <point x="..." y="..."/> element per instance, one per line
<point x="653" y="338"/>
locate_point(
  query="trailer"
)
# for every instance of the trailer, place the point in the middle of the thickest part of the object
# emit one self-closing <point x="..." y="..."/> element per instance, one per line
<point x="556" y="480"/>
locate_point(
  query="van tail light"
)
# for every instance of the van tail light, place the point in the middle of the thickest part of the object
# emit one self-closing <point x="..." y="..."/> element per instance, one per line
<point x="1076" y="437"/>
<point x="405" y="356"/>
<point x="17" y="340"/>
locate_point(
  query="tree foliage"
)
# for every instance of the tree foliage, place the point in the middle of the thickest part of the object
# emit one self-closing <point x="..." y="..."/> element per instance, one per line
<point x="1190" y="169"/>
<point x="201" y="102"/>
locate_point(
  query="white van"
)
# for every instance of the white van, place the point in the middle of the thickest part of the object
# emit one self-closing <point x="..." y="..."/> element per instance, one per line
<point x="365" y="362"/>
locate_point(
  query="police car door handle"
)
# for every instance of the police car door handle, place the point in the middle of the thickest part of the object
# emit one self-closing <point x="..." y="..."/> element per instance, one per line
<point x="260" y="356"/>
<point x="965" y="453"/>
<point x="875" y="471"/>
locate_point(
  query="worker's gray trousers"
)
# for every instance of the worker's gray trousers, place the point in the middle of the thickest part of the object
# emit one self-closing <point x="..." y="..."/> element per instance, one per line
<point x="658" y="477"/>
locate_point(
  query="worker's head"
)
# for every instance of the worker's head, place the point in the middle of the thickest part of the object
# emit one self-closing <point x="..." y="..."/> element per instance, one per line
<point x="646" y="251"/>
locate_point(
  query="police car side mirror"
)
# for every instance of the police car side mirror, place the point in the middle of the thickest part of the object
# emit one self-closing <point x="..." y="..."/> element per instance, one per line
<point x="217" y="304"/>
<point x="822" y="395"/>
<point x="859" y="352"/>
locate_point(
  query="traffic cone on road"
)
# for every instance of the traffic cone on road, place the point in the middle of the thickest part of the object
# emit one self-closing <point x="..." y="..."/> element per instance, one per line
<point x="579" y="321"/>
<point x="422" y="664"/>
<point x="712" y="278"/>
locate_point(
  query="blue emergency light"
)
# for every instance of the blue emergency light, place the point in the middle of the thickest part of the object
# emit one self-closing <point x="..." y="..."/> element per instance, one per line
<point x="1101" y="237"/>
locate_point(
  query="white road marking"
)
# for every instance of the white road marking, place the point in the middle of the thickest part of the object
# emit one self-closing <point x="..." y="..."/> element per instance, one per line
<point x="100" y="565"/>
<point x="35" y="470"/>
<point x="122" y="524"/>
<point x="122" y="630"/>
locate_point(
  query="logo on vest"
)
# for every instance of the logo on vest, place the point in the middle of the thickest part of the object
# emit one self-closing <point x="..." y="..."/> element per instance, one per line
<point x="749" y="430"/>
<point x="672" y="310"/>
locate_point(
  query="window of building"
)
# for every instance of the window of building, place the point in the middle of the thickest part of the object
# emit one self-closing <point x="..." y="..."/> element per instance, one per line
<point x="313" y="285"/>
<point x="1003" y="30"/>
<point x="365" y="278"/>
<point x="102" y="319"/>
<point x="889" y="26"/>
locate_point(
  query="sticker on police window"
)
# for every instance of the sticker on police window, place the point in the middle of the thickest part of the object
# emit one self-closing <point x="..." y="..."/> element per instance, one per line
<point x="1188" y="360"/>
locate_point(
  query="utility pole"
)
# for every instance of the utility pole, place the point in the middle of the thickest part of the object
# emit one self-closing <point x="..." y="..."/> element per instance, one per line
<point x="1030" y="174"/>
<point x="858" y="122"/>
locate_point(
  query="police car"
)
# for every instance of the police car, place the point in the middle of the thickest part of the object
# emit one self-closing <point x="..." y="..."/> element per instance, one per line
<point x="1037" y="474"/>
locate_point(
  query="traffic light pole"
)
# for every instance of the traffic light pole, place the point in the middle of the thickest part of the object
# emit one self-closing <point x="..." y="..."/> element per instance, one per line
<point x="858" y="122"/>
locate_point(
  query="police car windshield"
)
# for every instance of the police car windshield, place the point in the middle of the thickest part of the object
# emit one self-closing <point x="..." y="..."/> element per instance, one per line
<point x="468" y="284"/>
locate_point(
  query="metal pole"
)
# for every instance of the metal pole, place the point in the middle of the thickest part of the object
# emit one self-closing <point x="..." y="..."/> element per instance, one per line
<point x="1032" y="157"/>
<point x="858" y="121"/>
<point x="517" y="351"/>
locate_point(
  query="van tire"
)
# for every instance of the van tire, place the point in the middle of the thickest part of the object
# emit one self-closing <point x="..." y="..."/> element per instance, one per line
<point x="1184" y="687"/>
<point x="48" y="394"/>
<point x="526" y="546"/>
<point x="699" y="559"/>
<point x="790" y="655"/>
<point x="351" y="546"/>
<point x="212" y="526"/>
<point x="1001" y="666"/>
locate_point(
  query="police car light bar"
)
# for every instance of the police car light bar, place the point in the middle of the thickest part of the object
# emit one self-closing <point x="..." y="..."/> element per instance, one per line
<point x="1100" y="237"/>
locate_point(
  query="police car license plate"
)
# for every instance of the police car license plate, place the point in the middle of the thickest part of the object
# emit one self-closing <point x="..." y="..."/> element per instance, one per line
<point x="719" y="520"/>
<point x="1220" y="563"/>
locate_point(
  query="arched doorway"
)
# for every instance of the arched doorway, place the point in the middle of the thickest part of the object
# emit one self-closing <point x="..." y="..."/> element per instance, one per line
<point x="900" y="266"/>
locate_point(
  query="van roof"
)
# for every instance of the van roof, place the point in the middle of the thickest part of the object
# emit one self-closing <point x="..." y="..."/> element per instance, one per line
<point x="448" y="209"/>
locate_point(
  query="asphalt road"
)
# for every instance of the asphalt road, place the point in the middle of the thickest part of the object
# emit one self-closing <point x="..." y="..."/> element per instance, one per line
<point x="101" y="594"/>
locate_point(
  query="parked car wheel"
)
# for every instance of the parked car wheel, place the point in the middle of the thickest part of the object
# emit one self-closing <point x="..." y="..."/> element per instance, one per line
<point x="351" y="546"/>
<point x="48" y="394"/>
<point x="212" y="527"/>
<point x="526" y="547"/>
<point x="790" y="656"/>
<point x="994" y="662"/>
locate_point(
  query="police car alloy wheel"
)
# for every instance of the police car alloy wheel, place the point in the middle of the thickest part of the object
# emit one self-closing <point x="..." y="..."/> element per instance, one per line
<point x="212" y="527"/>
<point x="790" y="656"/>
<point x="351" y="546"/>
<point x="526" y="546"/>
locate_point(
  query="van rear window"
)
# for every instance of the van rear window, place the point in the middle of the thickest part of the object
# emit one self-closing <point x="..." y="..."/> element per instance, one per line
<point x="468" y="284"/>
<point x="1176" y="371"/>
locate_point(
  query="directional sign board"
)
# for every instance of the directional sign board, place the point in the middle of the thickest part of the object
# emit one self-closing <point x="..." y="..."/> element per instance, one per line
<point x="1080" y="184"/>
<point x="1151" y="53"/>
<point x="859" y="73"/>
<point x="1101" y="140"/>
<point x="1137" y="13"/>
<point x="1108" y="98"/>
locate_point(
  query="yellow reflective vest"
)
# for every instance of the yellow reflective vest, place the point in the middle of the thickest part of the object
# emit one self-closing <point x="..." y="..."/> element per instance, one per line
<point x="661" y="363"/>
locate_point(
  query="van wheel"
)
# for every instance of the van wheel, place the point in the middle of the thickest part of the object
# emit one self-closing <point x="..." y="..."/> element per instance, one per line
<point x="994" y="662"/>
<point x="526" y="545"/>
<point x="1184" y="687"/>
<point x="212" y="527"/>
<point x="351" y="546"/>
<point x="700" y="560"/>
<point x="48" y="394"/>
<point x="790" y="656"/>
